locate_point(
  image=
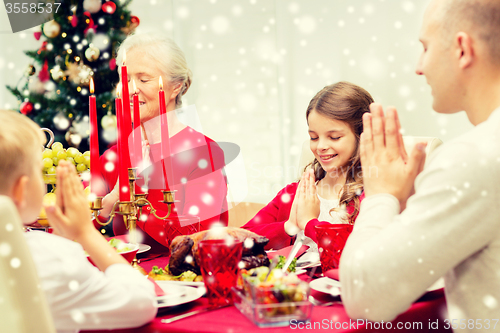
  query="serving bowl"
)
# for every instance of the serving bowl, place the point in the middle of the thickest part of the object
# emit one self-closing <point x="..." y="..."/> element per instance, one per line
<point x="129" y="251"/>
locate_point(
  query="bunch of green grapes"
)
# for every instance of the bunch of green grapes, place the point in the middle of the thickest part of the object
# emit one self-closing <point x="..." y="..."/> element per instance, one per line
<point x="52" y="156"/>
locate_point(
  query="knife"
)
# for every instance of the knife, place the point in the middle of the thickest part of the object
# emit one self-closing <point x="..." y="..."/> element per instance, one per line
<point x="192" y="313"/>
<point x="293" y="252"/>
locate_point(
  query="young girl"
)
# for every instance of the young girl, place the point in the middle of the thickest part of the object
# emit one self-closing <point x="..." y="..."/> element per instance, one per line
<point x="331" y="187"/>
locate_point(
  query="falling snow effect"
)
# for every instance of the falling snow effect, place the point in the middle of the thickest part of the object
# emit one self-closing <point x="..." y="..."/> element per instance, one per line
<point x="371" y="65"/>
<point x="285" y="198"/>
<point x="74" y="285"/>
<point x="5" y="249"/>
<point x="490" y="302"/>
<point x="15" y="262"/>
<point x="78" y="316"/>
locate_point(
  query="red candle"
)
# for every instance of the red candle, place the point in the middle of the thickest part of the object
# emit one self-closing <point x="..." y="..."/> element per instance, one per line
<point x="163" y="105"/>
<point x="137" y="128"/>
<point x="123" y="156"/>
<point x="126" y="100"/>
<point x="94" y="141"/>
<point x="165" y="139"/>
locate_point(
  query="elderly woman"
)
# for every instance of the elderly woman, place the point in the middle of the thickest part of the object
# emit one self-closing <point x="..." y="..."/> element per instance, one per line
<point x="196" y="164"/>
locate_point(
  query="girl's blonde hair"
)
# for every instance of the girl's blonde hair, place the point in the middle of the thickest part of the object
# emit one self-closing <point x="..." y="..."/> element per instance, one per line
<point x="345" y="102"/>
<point x="20" y="138"/>
<point x="166" y="55"/>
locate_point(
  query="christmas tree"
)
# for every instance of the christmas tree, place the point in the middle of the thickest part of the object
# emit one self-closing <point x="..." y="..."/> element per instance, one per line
<point x="80" y="43"/>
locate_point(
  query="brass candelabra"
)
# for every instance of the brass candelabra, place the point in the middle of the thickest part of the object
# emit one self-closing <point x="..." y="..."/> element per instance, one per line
<point x="131" y="209"/>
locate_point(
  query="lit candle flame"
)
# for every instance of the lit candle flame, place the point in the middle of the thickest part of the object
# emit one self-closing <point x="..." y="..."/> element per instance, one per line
<point x="118" y="89"/>
<point x="92" y="85"/>
<point x="124" y="58"/>
<point x="135" y="87"/>
<point x="161" y="83"/>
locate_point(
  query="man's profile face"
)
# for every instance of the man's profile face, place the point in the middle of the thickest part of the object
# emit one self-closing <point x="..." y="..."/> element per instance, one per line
<point x="436" y="61"/>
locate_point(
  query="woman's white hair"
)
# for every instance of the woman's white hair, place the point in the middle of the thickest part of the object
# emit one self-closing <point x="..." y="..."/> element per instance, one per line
<point x="167" y="55"/>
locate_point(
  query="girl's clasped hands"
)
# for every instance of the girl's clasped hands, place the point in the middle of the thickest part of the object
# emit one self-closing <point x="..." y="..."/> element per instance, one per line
<point x="306" y="204"/>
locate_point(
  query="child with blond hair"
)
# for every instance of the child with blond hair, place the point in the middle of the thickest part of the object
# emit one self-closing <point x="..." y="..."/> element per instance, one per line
<point x="80" y="296"/>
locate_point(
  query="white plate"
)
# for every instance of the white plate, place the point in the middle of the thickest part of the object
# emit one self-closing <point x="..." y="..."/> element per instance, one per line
<point x="326" y="285"/>
<point x="177" y="294"/>
<point x="143" y="248"/>
<point x="332" y="287"/>
<point x="184" y="283"/>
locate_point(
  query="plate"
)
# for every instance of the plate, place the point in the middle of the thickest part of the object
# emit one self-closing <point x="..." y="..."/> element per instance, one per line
<point x="308" y="259"/>
<point x="332" y="287"/>
<point x="326" y="285"/>
<point x="177" y="294"/>
<point x="184" y="283"/>
<point x="143" y="248"/>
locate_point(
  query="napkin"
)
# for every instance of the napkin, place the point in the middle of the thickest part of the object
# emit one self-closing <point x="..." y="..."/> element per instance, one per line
<point x="158" y="290"/>
<point x="286" y="251"/>
<point x="333" y="274"/>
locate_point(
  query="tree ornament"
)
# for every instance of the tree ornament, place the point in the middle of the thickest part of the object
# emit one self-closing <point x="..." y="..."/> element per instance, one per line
<point x="49" y="86"/>
<point x="61" y="122"/>
<point x="56" y="73"/>
<point x="30" y="70"/>
<point x="73" y="138"/>
<point x="36" y="86"/>
<point x="79" y="74"/>
<point x="90" y="23"/>
<point x="92" y="53"/>
<point x="92" y="6"/>
<point x="109" y="7"/>
<point x="112" y="64"/>
<point x="51" y="29"/>
<point x="37" y="35"/>
<point x="101" y="41"/>
<point x="42" y="48"/>
<point x="82" y="127"/>
<point x="110" y="135"/>
<point x="108" y="122"/>
<point x="44" y="73"/>
<point x="131" y="25"/>
<point x="26" y="108"/>
<point x="134" y="22"/>
<point x="74" y="20"/>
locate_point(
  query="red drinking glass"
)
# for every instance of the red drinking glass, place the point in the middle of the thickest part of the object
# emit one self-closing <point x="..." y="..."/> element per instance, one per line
<point x="219" y="268"/>
<point x="331" y="242"/>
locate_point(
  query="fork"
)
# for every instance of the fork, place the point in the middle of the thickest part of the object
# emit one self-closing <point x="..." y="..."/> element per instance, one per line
<point x="317" y="302"/>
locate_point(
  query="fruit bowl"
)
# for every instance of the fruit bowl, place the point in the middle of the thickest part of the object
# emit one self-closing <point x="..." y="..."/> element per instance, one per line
<point x="272" y="299"/>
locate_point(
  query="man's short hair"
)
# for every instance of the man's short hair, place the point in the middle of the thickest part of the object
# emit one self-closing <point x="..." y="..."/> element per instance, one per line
<point x="20" y="138"/>
<point x="480" y="18"/>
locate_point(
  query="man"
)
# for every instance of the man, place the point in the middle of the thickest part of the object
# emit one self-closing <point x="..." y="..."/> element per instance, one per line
<point x="451" y="226"/>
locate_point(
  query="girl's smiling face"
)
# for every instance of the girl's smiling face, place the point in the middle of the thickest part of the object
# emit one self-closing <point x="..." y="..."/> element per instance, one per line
<point x="333" y="142"/>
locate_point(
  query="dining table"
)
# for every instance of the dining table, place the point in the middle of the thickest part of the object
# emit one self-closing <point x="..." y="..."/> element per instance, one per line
<point x="427" y="314"/>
